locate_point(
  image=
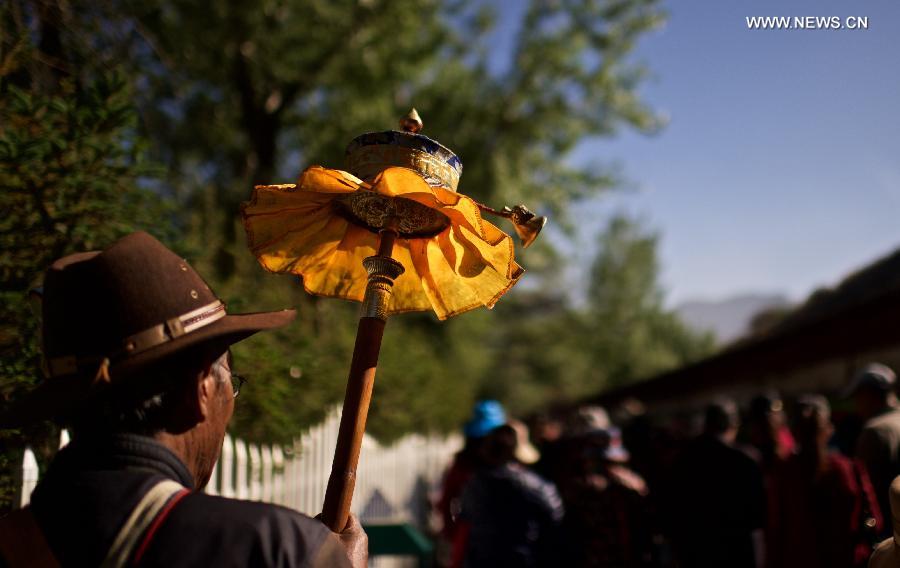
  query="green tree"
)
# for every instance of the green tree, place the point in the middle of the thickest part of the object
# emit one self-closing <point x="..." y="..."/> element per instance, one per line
<point x="231" y="94"/>
<point x="72" y="173"/>
<point x="552" y="352"/>
<point x="633" y="335"/>
<point x="241" y="94"/>
<point x="541" y="354"/>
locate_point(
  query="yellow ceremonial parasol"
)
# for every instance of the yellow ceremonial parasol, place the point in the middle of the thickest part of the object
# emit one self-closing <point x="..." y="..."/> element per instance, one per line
<point x="394" y="234"/>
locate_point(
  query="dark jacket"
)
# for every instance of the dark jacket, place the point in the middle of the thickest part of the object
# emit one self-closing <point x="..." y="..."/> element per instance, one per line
<point x="514" y="516"/>
<point x="718" y="500"/>
<point x="91" y="488"/>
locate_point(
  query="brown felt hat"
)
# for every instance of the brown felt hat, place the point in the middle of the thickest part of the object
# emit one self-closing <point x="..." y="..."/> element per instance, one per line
<point x="108" y="316"/>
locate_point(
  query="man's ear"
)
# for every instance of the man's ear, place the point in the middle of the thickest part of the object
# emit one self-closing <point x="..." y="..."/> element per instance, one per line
<point x="193" y="405"/>
<point x="205" y="393"/>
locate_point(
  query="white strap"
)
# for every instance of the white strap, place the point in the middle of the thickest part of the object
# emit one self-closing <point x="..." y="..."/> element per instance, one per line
<point x="140" y="519"/>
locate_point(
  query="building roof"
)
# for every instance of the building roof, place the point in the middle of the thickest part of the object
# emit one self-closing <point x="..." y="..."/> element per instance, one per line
<point x="859" y="315"/>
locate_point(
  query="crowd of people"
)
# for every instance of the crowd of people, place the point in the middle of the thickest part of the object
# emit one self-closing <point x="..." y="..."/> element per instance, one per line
<point x="772" y="483"/>
<point x="137" y="350"/>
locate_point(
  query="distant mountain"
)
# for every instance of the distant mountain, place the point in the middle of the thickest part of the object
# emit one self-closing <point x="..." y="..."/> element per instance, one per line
<point x="728" y="319"/>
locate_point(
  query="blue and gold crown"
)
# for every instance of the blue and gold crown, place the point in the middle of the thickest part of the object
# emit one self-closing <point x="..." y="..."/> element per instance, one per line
<point x="371" y="153"/>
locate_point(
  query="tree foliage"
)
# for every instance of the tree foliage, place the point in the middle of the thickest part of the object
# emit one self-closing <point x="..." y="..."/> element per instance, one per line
<point x="71" y="170"/>
<point x="552" y="352"/>
<point x="238" y="94"/>
<point x="229" y="94"/>
<point x="634" y="335"/>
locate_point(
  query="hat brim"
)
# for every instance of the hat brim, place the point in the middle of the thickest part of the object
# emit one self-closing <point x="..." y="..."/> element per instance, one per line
<point x="57" y="396"/>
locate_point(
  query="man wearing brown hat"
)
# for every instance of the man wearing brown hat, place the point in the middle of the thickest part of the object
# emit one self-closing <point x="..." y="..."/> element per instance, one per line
<point x="136" y="350"/>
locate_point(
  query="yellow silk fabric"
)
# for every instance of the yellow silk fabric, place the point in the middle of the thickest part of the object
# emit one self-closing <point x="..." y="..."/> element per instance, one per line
<point x="295" y="229"/>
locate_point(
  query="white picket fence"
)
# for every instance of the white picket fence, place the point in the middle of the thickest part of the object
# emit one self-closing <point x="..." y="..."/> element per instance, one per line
<point x="393" y="482"/>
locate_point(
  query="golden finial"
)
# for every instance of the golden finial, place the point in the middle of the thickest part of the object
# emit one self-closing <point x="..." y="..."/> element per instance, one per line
<point x="411" y="122"/>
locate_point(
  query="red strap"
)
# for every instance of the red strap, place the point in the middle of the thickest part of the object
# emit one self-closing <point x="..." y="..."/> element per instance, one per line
<point x="157" y="522"/>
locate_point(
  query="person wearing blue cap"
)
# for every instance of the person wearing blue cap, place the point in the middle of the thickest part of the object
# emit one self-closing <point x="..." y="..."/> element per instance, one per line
<point x="513" y="516"/>
<point x="486" y="416"/>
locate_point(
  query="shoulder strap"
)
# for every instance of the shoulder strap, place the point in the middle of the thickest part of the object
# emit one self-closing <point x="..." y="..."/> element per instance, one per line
<point x="22" y="543"/>
<point x="157" y="522"/>
<point x="138" y="522"/>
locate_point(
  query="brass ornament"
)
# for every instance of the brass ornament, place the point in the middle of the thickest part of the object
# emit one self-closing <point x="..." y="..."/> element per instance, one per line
<point x="526" y="224"/>
<point x="374" y="211"/>
<point x="412" y="122"/>
<point x="382" y="272"/>
<point x="395" y="185"/>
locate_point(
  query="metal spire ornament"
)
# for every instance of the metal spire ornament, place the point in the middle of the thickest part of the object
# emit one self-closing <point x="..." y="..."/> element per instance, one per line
<point x="393" y="233"/>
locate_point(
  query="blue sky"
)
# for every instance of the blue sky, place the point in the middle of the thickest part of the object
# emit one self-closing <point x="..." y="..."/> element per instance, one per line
<point x="779" y="170"/>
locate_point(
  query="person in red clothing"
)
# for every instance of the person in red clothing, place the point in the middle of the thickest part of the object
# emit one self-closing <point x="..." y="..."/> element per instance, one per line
<point x="767" y="430"/>
<point x="827" y="512"/>
<point x="768" y="435"/>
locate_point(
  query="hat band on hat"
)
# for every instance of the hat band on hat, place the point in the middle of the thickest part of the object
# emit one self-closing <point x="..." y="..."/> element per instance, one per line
<point x="157" y="335"/>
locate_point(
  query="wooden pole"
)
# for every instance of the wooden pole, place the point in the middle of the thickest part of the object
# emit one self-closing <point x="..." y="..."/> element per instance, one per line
<point x="382" y="271"/>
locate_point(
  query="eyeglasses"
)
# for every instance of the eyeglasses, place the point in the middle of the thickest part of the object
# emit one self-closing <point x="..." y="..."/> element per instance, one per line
<point x="237" y="381"/>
